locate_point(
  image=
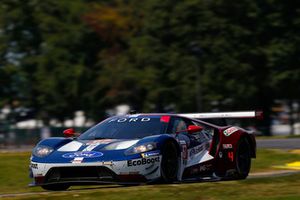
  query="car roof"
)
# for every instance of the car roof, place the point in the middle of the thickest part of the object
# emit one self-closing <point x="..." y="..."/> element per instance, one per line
<point x="171" y="115"/>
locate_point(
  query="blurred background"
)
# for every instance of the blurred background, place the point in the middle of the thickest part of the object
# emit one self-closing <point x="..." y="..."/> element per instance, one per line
<point x="73" y="63"/>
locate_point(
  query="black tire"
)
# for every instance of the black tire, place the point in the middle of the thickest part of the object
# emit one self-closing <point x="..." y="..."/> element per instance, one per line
<point x="56" y="187"/>
<point x="243" y="159"/>
<point x="169" y="163"/>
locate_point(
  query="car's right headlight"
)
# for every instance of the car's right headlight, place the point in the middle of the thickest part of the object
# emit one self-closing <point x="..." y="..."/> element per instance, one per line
<point x="42" y="151"/>
<point x="141" y="148"/>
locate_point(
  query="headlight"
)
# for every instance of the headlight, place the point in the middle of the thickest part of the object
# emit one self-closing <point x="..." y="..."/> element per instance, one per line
<point x="141" y="148"/>
<point x="42" y="151"/>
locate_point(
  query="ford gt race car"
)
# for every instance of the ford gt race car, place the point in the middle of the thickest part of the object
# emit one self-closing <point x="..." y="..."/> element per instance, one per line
<point x="145" y="148"/>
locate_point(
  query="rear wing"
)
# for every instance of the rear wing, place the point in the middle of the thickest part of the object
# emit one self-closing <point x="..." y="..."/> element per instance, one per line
<point x="224" y="115"/>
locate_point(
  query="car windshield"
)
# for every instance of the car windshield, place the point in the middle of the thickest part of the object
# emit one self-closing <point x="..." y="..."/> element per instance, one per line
<point x="124" y="128"/>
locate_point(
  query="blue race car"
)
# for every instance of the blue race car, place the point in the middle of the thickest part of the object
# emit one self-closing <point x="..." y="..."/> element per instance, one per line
<point x="139" y="148"/>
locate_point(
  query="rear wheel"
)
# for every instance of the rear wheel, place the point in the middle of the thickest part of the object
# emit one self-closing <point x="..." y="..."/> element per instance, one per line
<point x="56" y="187"/>
<point x="243" y="159"/>
<point x="169" y="163"/>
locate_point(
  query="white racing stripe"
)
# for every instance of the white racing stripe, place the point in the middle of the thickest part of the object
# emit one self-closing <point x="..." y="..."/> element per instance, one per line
<point x="72" y="146"/>
<point x="91" y="147"/>
<point x="206" y="157"/>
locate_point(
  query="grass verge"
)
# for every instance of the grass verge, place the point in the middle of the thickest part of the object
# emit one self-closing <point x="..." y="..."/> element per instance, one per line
<point x="14" y="179"/>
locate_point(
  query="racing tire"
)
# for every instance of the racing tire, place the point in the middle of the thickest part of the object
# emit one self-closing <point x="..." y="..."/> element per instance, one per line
<point x="56" y="187"/>
<point x="169" y="163"/>
<point x="242" y="159"/>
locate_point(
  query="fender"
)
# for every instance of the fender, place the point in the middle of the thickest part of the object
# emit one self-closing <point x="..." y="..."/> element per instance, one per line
<point x="236" y="136"/>
<point x="226" y="151"/>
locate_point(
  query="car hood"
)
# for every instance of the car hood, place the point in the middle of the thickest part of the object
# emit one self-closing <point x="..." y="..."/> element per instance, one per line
<point x="96" y="145"/>
<point x="89" y="151"/>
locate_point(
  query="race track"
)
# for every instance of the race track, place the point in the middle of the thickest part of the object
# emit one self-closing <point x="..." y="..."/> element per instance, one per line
<point x="287" y="143"/>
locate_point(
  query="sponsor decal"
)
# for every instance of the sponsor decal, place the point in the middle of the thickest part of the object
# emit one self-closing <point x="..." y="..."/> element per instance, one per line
<point x="220" y="154"/>
<point x="77" y="160"/>
<point x="143" y="161"/>
<point x="196" y="150"/>
<point x="83" y="154"/>
<point x="227" y="146"/>
<point x="109" y="163"/>
<point x="184" y="152"/>
<point x="131" y="119"/>
<point x="150" y="153"/>
<point x="230" y="130"/>
<point x="199" y="169"/>
<point x="206" y="167"/>
<point x="34" y="165"/>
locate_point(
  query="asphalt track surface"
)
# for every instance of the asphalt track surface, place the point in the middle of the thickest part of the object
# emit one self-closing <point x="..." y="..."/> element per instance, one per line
<point x="287" y="143"/>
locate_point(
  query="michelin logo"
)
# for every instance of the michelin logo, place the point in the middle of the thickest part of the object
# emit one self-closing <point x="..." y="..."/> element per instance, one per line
<point x="150" y="154"/>
<point x="143" y="161"/>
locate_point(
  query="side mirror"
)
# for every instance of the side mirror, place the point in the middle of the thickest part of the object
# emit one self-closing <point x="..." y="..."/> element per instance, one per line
<point x="70" y="132"/>
<point x="193" y="129"/>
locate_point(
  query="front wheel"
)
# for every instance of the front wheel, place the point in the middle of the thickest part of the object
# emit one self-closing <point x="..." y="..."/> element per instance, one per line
<point x="56" y="187"/>
<point x="243" y="159"/>
<point x="169" y="163"/>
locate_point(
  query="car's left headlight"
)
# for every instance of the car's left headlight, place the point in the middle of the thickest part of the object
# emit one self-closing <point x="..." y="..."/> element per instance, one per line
<point x="141" y="148"/>
<point x="42" y="151"/>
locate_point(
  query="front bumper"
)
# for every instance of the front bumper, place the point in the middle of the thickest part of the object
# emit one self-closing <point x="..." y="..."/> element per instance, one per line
<point x="127" y="171"/>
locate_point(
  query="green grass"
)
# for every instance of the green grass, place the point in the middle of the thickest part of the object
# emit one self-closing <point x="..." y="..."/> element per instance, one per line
<point x="14" y="173"/>
<point x="268" y="158"/>
<point x="14" y="179"/>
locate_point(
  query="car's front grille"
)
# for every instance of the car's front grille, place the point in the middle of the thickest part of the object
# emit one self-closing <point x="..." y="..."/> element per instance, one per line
<point x="58" y="174"/>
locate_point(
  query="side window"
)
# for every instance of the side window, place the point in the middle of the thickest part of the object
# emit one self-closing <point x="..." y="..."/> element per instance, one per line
<point x="178" y="125"/>
<point x="207" y="132"/>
